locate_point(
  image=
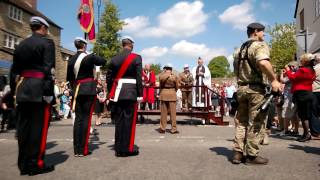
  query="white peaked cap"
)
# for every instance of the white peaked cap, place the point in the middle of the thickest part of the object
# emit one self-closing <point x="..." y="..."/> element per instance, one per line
<point x="127" y="37"/>
<point x="186" y="66"/>
<point x="38" y="20"/>
<point x="81" y="39"/>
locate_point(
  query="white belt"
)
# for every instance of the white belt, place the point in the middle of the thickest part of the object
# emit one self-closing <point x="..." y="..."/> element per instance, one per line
<point x="119" y="86"/>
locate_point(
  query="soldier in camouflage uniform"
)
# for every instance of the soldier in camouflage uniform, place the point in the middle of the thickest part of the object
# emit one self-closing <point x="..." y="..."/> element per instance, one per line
<point x="253" y="70"/>
<point x="186" y="81"/>
<point x="168" y="88"/>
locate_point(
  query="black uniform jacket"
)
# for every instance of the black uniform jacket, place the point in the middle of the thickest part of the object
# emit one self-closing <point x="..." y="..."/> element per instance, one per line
<point x="35" y="53"/>
<point x="128" y="91"/>
<point x="85" y="71"/>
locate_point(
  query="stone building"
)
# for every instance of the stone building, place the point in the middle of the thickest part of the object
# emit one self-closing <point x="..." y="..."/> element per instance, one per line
<point x="307" y="15"/>
<point x="14" y="27"/>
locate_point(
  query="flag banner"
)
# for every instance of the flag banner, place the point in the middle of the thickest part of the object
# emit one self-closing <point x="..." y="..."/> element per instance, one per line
<point x="86" y="18"/>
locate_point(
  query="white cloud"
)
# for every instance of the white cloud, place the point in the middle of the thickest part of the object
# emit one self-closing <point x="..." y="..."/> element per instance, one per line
<point x="239" y="15"/>
<point x="149" y="55"/>
<point x="184" y="19"/>
<point x="135" y="24"/>
<point x="194" y="50"/>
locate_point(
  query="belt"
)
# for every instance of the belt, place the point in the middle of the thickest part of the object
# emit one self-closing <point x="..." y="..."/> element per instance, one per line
<point x="79" y="81"/>
<point x="252" y="84"/>
<point x="167" y="88"/>
<point x="32" y="74"/>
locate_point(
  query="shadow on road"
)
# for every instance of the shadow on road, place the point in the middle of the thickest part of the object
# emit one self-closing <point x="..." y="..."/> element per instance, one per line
<point x="223" y="151"/>
<point x="95" y="142"/>
<point x="192" y="121"/>
<point x="135" y="147"/>
<point x="51" y="144"/>
<point x="307" y="149"/>
<point x="56" y="158"/>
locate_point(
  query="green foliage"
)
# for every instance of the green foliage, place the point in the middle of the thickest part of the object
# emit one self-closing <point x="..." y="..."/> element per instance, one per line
<point x="107" y="44"/>
<point x="219" y="67"/>
<point x="156" y="68"/>
<point x="283" y="44"/>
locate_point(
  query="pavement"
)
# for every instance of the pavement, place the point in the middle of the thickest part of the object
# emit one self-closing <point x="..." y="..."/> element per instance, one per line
<point x="198" y="152"/>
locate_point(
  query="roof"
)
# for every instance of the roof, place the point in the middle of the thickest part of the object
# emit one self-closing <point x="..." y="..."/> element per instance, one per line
<point x="67" y="51"/>
<point x="23" y="5"/>
<point x="295" y="11"/>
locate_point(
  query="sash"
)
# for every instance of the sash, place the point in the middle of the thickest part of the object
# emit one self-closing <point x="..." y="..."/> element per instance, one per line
<point x="119" y="75"/>
<point x="78" y="63"/>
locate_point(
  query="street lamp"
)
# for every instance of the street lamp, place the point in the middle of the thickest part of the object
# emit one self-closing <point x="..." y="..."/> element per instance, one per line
<point x="305" y="33"/>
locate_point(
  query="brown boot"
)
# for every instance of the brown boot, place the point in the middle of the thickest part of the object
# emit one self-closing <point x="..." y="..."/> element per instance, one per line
<point x="256" y="160"/>
<point x="237" y="157"/>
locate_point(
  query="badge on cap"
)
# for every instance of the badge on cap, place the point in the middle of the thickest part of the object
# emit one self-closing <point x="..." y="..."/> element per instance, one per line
<point x="38" y="20"/>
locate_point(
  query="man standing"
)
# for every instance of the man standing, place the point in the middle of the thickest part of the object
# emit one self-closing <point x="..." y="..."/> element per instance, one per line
<point x="149" y="81"/>
<point x="33" y="68"/>
<point x="230" y="89"/>
<point x="186" y="82"/>
<point x="168" y="88"/>
<point x="253" y="66"/>
<point x="80" y="75"/>
<point x="202" y="77"/>
<point x="125" y="88"/>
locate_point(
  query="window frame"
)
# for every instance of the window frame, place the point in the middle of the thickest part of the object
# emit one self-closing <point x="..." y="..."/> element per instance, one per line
<point x="10" y="41"/>
<point x="15" y="13"/>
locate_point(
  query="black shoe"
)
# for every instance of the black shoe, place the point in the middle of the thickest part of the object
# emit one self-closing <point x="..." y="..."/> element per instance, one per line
<point x="305" y="138"/>
<point x="126" y="154"/>
<point x="161" y="131"/>
<point x="45" y="169"/>
<point x="238" y="157"/>
<point x="24" y="172"/>
<point x="174" y="132"/>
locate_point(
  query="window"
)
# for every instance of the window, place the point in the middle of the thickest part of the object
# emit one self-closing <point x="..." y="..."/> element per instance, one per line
<point x="317" y="6"/>
<point x="302" y="19"/>
<point x="15" y="13"/>
<point x="10" y="41"/>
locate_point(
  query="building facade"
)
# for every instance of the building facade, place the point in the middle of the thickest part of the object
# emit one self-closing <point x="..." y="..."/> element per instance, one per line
<point x="307" y="15"/>
<point x="14" y="27"/>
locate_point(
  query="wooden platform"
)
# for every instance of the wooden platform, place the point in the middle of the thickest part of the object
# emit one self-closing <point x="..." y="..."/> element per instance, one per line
<point x="208" y="116"/>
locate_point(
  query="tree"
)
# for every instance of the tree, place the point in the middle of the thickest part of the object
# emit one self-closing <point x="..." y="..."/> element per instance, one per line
<point x="219" y="67"/>
<point x="283" y="44"/>
<point x="156" y="68"/>
<point x="107" y="44"/>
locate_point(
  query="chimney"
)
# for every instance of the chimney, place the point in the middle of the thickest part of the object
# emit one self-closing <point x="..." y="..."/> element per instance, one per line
<point x="31" y="3"/>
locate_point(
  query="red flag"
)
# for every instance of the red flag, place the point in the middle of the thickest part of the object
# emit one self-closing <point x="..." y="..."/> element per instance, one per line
<point x="86" y="18"/>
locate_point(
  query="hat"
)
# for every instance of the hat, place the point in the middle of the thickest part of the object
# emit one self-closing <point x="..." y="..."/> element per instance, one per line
<point x="168" y="65"/>
<point x="186" y="66"/>
<point x="81" y="40"/>
<point x="38" y="20"/>
<point x="127" y="38"/>
<point x="256" y="26"/>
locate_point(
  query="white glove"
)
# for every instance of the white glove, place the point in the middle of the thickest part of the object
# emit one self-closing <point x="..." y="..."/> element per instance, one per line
<point x="48" y="99"/>
<point x="139" y="99"/>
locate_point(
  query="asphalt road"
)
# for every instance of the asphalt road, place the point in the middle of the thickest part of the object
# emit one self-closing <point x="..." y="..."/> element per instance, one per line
<point x="198" y="152"/>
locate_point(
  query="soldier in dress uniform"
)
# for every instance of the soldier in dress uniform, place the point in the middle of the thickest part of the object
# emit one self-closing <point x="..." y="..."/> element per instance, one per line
<point x="124" y="82"/>
<point x="169" y="84"/>
<point x="253" y="69"/>
<point x="32" y="81"/>
<point x="80" y="75"/>
<point x="186" y="82"/>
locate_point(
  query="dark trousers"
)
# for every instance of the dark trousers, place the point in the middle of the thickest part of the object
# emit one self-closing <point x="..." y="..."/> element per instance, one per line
<point x="81" y="129"/>
<point x="124" y="114"/>
<point x="33" y="123"/>
<point x="315" y="120"/>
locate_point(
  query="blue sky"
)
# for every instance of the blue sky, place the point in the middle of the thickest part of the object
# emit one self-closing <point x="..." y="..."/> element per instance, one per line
<point x="177" y="32"/>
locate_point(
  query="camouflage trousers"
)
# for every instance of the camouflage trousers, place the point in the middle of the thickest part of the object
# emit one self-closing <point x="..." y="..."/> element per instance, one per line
<point x="251" y="122"/>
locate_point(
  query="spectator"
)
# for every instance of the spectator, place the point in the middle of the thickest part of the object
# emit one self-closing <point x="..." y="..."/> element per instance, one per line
<point x="289" y="108"/>
<point x="65" y="103"/>
<point x="230" y="89"/>
<point x="302" y="92"/>
<point x="100" y="102"/>
<point x="315" y="121"/>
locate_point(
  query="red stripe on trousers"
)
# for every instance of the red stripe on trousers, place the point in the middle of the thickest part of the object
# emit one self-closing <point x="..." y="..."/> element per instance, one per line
<point x="44" y="134"/>
<point x="85" y="149"/>
<point x="133" y="127"/>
